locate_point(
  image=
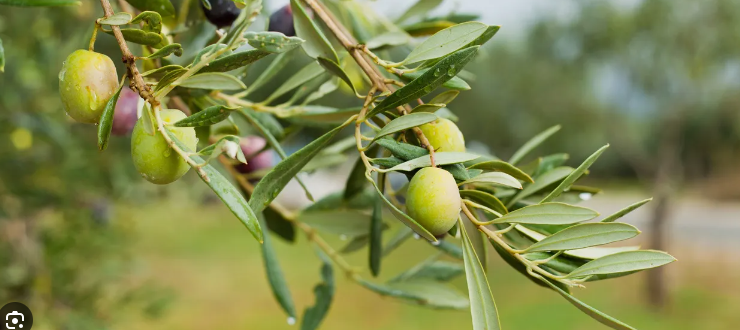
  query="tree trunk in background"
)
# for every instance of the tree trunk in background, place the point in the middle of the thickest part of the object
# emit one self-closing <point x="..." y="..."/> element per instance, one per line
<point x="666" y="179"/>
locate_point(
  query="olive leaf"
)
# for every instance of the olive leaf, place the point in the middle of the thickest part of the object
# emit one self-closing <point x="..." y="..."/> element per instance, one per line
<point x="498" y="178"/>
<point x="405" y="122"/>
<point x="623" y="262"/>
<point x="442" y="71"/>
<point x="139" y="36"/>
<point x="206" y="117"/>
<point x="388" y="39"/>
<point x="501" y="166"/>
<point x="431" y="269"/>
<point x="440" y="158"/>
<point x="455" y="83"/>
<point x="421" y="7"/>
<point x="225" y="191"/>
<point x="167" y="51"/>
<point x="106" y="120"/>
<point x="275" y="66"/>
<point x="427" y="107"/>
<point x="2" y="57"/>
<point x="275" y="277"/>
<point x="151" y="19"/>
<point x="376" y="237"/>
<point x="163" y="70"/>
<point x="574" y="176"/>
<point x="163" y="7"/>
<point x="532" y="143"/>
<point x="271" y="184"/>
<point x="485" y="199"/>
<point x="335" y="69"/>
<point x="308" y="72"/>
<point x="588" y="253"/>
<point x="513" y="262"/>
<point x="445" y="97"/>
<point x="482" y="305"/>
<point x="625" y="211"/>
<point x="446" y="41"/>
<point x="228" y="145"/>
<point x="213" y="80"/>
<point x="120" y="18"/>
<point x="147" y="118"/>
<point x="273" y="42"/>
<point x="170" y="77"/>
<point x="549" y="213"/>
<point x="585" y="235"/>
<point x="324" y="293"/>
<point x="316" y="42"/>
<point x="422" y="292"/>
<point x="541" y="182"/>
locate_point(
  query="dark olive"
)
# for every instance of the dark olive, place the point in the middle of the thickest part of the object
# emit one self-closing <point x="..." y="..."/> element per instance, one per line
<point x="282" y="21"/>
<point x="222" y="12"/>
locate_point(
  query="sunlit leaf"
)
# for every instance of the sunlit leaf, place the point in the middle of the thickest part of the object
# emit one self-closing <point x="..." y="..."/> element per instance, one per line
<point x="622" y="262"/>
<point x="167" y="51"/>
<point x="139" y="36"/>
<point x="625" y="211"/>
<point x="274" y="42"/>
<point x="549" y="213"/>
<point x="498" y="178"/>
<point x="440" y="158"/>
<point x="573" y="176"/>
<point x="119" y="18"/>
<point x="213" y="80"/>
<point x="501" y="166"/>
<point x="275" y="277"/>
<point x="316" y="42"/>
<point x="482" y="306"/>
<point x="486" y="199"/>
<point x="206" y="117"/>
<point x="324" y="293"/>
<point x="541" y="182"/>
<point x="585" y="235"/>
<point x="446" y="41"/>
<point x="421" y="7"/>
<point x="455" y="83"/>
<point x="106" y="120"/>
<point x="308" y="72"/>
<point x="405" y="122"/>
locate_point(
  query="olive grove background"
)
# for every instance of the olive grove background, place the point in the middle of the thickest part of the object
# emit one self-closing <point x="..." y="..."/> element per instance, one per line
<point x="87" y="240"/>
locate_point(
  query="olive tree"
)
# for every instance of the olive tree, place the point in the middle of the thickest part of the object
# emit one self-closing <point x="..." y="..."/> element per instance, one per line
<point x="401" y="122"/>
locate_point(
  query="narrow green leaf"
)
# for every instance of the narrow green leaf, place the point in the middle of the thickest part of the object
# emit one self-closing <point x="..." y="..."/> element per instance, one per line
<point x="588" y="310"/>
<point x="549" y="213"/>
<point x="326" y="88"/>
<point x="147" y="117"/>
<point x="163" y="70"/>
<point x="336" y="70"/>
<point x="431" y="269"/>
<point x="39" y="3"/>
<point x="625" y="211"/>
<point x="405" y="218"/>
<point x="401" y="236"/>
<point x="167" y="51"/>
<point x="482" y="305"/>
<point x="106" y="120"/>
<point x="316" y="42"/>
<point x="376" y="237"/>
<point x="169" y="78"/>
<point x="263" y="123"/>
<point x="163" y="7"/>
<point x="585" y="235"/>
<point x="456" y="83"/>
<point x="421" y="7"/>
<point x="270" y="186"/>
<point x="388" y="39"/>
<point x="405" y="122"/>
<point x="486" y="199"/>
<point x="519" y="267"/>
<point x="427" y="107"/>
<point x="573" y="176"/>
<point x="151" y="19"/>
<point x="499" y="178"/>
<point x="532" y="143"/>
<point x="443" y="71"/>
<point x="225" y="191"/>
<point x="487" y="35"/>
<point x="541" y="182"/>
<point x="445" y="97"/>
<point x="235" y="61"/>
<point x="501" y="166"/>
<point x="355" y="244"/>
<point x="278" y="224"/>
<point x="275" y="277"/>
<point x="446" y="41"/>
<point x="479" y="241"/>
<point x="356" y="181"/>
<point x="139" y="36"/>
<point x="350" y="223"/>
<point x="588" y="253"/>
<point x="119" y="18"/>
<point x="401" y="150"/>
<point x="213" y="80"/>
<point x="324" y="293"/>
<point x="428" y="293"/>
<point x="273" y="69"/>
<point x="308" y="72"/>
<point x="206" y="117"/>
<point x="451" y="249"/>
<point x="440" y="158"/>
<point x="622" y="262"/>
<point x="273" y="42"/>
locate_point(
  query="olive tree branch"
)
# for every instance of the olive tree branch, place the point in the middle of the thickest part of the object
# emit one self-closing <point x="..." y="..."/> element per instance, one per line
<point x="371" y="71"/>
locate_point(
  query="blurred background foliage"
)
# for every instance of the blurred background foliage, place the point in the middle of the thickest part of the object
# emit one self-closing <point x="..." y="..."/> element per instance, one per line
<point x="91" y="244"/>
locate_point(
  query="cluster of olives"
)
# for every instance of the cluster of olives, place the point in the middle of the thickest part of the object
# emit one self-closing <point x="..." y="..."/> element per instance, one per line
<point x="432" y="198"/>
<point x="224" y="12"/>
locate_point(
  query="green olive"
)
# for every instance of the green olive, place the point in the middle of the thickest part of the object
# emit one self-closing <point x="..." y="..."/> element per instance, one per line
<point x="444" y="135"/>
<point x="433" y="200"/>
<point x="153" y="157"/>
<point x="86" y="83"/>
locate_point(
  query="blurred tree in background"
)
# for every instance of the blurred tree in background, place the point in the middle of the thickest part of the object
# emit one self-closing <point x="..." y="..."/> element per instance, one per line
<point x="60" y="246"/>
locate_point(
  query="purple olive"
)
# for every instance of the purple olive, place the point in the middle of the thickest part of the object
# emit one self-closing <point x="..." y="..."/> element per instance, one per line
<point x="124" y="119"/>
<point x="282" y="21"/>
<point x="251" y="145"/>
<point x="222" y="12"/>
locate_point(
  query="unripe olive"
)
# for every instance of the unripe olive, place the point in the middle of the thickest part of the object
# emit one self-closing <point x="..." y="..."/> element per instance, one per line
<point x="125" y="116"/>
<point x="153" y="157"/>
<point x="433" y="200"/>
<point x="256" y="161"/>
<point x="282" y="21"/>
<point x="222" y="12"/>
<point x="86" y="83"/>
<point x="444" y="135"/>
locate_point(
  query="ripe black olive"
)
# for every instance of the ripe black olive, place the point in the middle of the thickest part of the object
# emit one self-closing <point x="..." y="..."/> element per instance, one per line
<point x="222" y="13"/>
